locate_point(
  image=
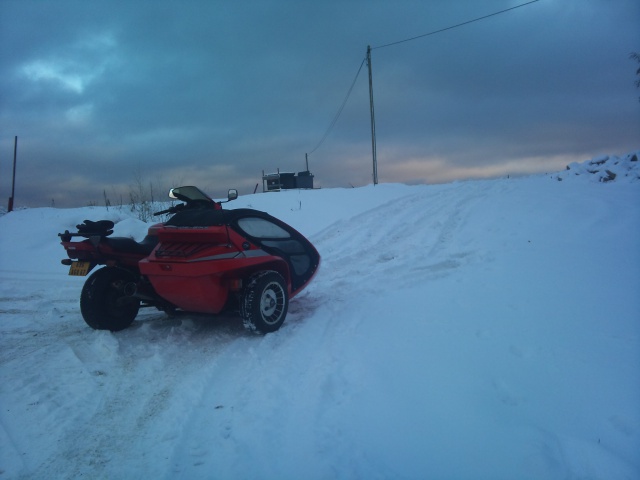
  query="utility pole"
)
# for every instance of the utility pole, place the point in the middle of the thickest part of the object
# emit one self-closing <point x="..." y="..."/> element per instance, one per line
<point x="13" y="182"/>
<point x="373" y="119"/>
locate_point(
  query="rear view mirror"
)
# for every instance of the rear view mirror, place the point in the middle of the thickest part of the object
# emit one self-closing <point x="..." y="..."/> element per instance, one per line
<point x="232" y="195"/>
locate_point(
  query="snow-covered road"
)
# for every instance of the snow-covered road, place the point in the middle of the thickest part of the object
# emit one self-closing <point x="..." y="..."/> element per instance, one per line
<point x="485" y="329"/>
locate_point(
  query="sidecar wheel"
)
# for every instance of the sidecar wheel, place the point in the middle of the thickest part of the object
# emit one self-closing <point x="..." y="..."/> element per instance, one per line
<point x="103" y="302"/>
<point x="265" y="302"/>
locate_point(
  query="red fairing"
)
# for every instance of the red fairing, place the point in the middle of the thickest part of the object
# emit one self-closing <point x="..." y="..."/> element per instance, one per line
<point x="194" y="268"/>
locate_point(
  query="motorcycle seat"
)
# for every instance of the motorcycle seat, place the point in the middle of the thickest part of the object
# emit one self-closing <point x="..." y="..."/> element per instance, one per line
<point x="129" y="245"/>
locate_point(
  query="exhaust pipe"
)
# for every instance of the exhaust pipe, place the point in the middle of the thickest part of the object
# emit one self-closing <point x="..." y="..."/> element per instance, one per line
<point x="131" y="294"/>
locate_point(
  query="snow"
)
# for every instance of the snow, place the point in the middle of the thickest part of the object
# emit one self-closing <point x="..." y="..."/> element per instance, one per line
<point x="605" y="169"/>
<point x="474" y="330"/>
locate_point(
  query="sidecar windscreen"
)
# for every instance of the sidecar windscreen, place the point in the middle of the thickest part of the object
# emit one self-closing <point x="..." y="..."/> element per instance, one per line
<point x="277" y="238"/>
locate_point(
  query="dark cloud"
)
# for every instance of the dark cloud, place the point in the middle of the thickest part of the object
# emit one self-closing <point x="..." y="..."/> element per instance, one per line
<point x="103" y="93"/>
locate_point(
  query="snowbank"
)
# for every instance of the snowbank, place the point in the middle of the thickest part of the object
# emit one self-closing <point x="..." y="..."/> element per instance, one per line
<point x="604" y="169"/>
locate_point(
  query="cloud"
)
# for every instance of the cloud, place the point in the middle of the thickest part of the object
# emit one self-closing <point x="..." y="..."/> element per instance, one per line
<point x="439" y="170"/>
<point x="73" y="67"/>
<point x="100" y="89"/>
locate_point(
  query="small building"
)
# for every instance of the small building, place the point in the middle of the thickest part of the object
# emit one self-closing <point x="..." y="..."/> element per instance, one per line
<point x="271" y="182"/>
<point x="304" y="179"/>
<point x="287" y="180"/>
<point x="274" y="182"/>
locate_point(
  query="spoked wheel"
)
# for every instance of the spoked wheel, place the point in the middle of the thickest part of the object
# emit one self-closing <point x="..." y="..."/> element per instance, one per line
<point x="265" y="302"/>
<point x="104" y="302"/>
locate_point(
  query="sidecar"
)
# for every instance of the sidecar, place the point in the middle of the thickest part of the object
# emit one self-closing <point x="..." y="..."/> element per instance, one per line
<point x="207" y="260"/>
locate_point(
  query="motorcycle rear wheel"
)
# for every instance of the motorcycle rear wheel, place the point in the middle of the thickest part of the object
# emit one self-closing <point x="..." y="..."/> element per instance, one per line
<point x="103" y="302"/>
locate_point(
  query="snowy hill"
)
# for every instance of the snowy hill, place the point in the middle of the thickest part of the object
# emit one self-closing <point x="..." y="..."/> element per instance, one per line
<point x="475" y="330"/>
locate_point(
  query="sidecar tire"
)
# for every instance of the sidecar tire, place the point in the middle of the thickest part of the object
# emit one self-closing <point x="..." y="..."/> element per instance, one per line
<point x="264" y="302"/>
<point x="99" y="297"/>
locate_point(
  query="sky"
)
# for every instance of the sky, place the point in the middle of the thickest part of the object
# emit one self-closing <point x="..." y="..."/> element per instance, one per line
<point x="113" y="97"/>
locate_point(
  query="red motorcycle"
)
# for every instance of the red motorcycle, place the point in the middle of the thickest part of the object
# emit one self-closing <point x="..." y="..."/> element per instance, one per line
<point x="203" y="259"/>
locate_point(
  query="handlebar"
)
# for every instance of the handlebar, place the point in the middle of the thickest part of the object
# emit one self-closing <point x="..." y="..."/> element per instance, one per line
<point x="174" y="209"/>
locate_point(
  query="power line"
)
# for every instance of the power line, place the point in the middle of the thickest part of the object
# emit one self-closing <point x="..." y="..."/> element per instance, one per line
<point x="337" y="115"/>
<point x="344" y="102"/>
<point x="454" y="26"/>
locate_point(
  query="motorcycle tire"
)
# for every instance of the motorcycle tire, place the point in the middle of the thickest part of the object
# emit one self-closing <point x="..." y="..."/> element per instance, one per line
<point x="265" y="302"/>
<point x="103" y="302"/>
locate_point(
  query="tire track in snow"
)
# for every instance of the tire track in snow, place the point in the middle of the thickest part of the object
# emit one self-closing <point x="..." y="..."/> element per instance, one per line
<point x="117" y="420"/>
<point x="202" y="380"/>
<point x="394" y="242"/>
<point x="168" y="359"/>
<point x="309" y="396"/>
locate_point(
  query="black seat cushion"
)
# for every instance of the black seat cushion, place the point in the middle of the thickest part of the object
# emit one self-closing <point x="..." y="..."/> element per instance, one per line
<point x="129" y="245"/>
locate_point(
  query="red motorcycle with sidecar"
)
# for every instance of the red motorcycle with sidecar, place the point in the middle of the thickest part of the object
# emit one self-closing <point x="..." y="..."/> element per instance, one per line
<point x="204" y="259"/>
